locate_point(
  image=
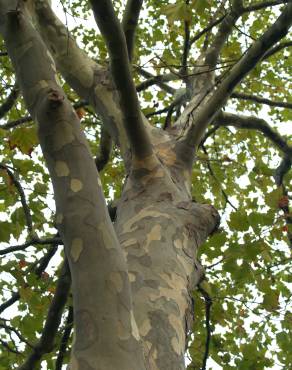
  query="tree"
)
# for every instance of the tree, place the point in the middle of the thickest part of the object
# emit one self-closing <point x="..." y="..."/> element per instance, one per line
<point x="170" y="145"/>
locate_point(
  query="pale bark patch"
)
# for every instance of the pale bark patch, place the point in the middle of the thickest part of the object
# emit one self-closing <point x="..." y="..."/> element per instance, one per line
<point x="61" y="169"/>
<point x="176" y="323"/>
<point x="154" y="234"/>
<point x="135" y="331"/>
<point x="107" y="237"/>
<point x="76" y="249"/>
<point x="145" y="327"/>
<point x="76" y="185"/>
<point x="132" y="277"/>
<point x="175" y="345"/>
<point x="146" y="212"/>
<point x="117" y="281"/>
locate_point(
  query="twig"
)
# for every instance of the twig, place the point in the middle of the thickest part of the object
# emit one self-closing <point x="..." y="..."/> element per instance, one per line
<point x="42" y="265"/>
<point x="260" y="100"/>
<point x="34" y="241"/>
<point x="208" y="304"/>
<point x="19" y="188"/>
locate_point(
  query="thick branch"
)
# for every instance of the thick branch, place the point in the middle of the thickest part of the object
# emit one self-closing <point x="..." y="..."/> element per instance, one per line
<point x="105" y="149"/>
<point x="130" y="22"/>
<point x="225" y="29"/>
<point x="263" y="5"/>
<point x="96" y="260"/>
<point x="254" y="123"/>
<point x="257" y="99"/>
<point x="46" y="342"/>
<point x="113" y="34"/>
<point x="89" y="80"/>
<point x="9" y="102"/>
<point x="207" y="111"/>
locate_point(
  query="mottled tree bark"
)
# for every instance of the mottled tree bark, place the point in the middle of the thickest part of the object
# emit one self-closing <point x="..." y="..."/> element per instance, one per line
<point x="132" y="282"/>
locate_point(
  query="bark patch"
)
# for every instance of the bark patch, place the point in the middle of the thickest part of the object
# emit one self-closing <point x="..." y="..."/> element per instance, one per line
<point x="76" y="249"/>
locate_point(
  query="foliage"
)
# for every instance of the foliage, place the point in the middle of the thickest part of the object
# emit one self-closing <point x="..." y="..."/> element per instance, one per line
<point x="248" y="260"/>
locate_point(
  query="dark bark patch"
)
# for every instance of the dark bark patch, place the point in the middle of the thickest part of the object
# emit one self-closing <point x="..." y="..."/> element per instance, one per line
<point x="86" y="330"/>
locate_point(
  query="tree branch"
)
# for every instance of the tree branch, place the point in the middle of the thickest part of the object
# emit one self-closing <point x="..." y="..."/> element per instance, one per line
<point x="254" y="123"/>
<point x="276" y="49"/>
<point x="282" y="169"/>
<point x="130" y="23"/>
<point x="42" y="265"/>
<point x="65" y="339"/>
<point x="46" y="342"/>
<point x="206" y="111"/>
<point x="156" y="80"/>
<point x="90" y="80"/>
<point x="105" y="149"/>
<point x="20" y="191"/>
<point x="9" y="102"/>
<point x="89" y="233"/>
<point x="225" y="29"/>
<point x="186" y="47"/>
<point x="112" y="32"/>
<point x="12" y="124"/>
<point x="208" y="304"/>
<point x="34" y="241"/>
<point x="263" y="5"/>
<point x="207" y="29"/>
<point x="257" y="99"/>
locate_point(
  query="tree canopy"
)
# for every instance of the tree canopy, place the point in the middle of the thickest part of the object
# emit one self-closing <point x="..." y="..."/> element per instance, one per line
<point x="242" y="307"/>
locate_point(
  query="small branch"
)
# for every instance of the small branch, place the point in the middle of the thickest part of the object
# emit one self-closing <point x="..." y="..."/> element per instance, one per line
<point x="5" y="345"/>
<point x="20" y="121"/>
<point x="65" y="339"/>
<point x="215" y="178"/>
<point x="16" y="332"/>
<point x="130" y="22"/>
<point x="15" y="297"/>
<point x="43" y="263"/>
<point x="8" y="104"/>
<point x="105" y="149"/>
<point x="207" y="29"/>
<point x="260" y="100"/>
<point x="254" y="123"/>
<point x="208" y="304"/>
<point x="113" y="34"/>
<point x="34" y="241"/>
<point x="208" y="111"/>
<point x="224" y="31"/>
<point x="12" y="124"/>
<point x="24" y="204"/>
<point x="282" y="169"/>
<point x="276" y="49"/>
<point x="186" y="48"/>
<point x="156" y="80"/>
<point x="263" y="5"/>
<point x="3" y="53"/>
<point x="46" y="342"/>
